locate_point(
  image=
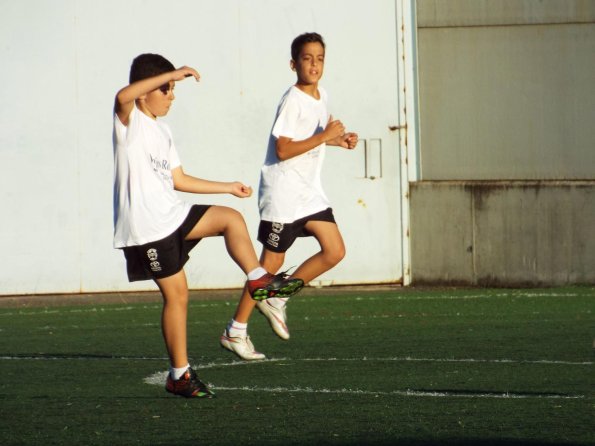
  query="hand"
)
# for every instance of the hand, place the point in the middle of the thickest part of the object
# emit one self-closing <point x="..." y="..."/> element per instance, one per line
<point x="240" y="190"/>
<point x="351" y="140"/>
<point x="334" y="129"/>
<point x="347" y="141"/>
<point x="182" y="73"/>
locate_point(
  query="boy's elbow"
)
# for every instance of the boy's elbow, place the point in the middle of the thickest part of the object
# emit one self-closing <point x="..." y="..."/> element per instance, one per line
<point x="124" y="97"/>
<point x="119" y="97"/>
<point x="119" y="101"/>
<point x="179" y="179"/>
<point x="281" y="151"/>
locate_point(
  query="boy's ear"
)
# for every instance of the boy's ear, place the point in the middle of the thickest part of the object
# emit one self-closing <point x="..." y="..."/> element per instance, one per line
<point x="292" y="64"/>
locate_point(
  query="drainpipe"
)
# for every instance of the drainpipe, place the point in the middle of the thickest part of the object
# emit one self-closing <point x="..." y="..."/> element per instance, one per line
<point x="407" y="127"/>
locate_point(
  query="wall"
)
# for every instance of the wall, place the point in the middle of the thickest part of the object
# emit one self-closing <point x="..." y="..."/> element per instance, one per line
<point x="504" y="233"/>
<point x="63" y="62"/>
<point x="507" y="143"/>
<point x="506" y="89"/>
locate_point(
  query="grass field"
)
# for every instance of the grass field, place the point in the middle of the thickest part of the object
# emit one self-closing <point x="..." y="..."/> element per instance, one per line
<point x="363" y="367"/>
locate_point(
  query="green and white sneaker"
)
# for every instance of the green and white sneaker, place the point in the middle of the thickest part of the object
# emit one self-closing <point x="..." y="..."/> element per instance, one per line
<point x="277" y="285"/>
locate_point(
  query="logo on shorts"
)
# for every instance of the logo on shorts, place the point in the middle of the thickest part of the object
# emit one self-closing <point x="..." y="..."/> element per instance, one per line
<point x="277" y="227"/>
<point x="152" y="255"/>
<point x="273" y="239"/>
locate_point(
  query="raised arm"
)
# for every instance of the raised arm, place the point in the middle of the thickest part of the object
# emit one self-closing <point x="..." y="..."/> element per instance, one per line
<point x="126" y="96"/>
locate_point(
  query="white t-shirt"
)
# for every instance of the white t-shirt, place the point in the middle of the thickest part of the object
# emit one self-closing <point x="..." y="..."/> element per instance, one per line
<point x="292" y="189"/>
<point x="146" y="206"/>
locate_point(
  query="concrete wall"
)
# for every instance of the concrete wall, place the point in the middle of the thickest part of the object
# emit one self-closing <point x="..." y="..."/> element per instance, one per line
<point x="506" y="109"/>
<point x="503" y="234"/>
<point x="506" y="89"/>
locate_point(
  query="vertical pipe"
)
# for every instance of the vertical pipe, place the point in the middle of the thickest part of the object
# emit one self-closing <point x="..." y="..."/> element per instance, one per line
<point x="408" y="150"/>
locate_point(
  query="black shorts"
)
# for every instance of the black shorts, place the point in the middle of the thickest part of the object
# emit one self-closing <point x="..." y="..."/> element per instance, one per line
<point x="278" y="237"/>
<point x="165" y="257"/>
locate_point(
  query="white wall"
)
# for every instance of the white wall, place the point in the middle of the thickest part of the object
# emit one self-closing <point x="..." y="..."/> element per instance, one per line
<point x="63" y="62"/>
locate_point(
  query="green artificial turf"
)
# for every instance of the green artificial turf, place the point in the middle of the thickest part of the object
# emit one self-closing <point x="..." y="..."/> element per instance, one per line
<point x="362" y="367"/>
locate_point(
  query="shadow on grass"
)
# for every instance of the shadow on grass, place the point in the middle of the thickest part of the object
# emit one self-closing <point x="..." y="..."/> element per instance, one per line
<point x="474" y="441"/>
<point x="406" y="442"/>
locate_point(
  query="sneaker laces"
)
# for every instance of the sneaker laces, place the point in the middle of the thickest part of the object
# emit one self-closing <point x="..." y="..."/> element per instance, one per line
<point x="285" y="274"/>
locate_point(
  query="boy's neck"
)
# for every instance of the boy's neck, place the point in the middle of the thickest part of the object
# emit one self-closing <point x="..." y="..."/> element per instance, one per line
<point x="143" y="109"/>
<point x="309" y="89"/>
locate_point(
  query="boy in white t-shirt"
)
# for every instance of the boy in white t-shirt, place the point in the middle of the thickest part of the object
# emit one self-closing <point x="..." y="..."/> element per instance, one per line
<point x="156" y="229"/>
<point x="291" y="199"/>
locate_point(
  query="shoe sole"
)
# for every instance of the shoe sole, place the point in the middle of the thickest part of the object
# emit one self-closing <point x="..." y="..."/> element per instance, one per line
<point x="294" y="286"/>
<point x="196" y="395"/>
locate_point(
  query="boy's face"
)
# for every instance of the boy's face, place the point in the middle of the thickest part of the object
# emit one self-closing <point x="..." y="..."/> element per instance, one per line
<point x="310" y="63"/>
<point x="157" y="102"/>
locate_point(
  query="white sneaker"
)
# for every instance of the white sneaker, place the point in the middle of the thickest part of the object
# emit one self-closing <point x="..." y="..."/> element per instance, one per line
<point x="242" y="347"/>
<point x="276" y="317"/>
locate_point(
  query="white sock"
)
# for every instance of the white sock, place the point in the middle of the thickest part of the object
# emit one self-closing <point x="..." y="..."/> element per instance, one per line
<point x="176" y="373"/>
<point x="237" y="329"/>
<point x="257" y="273"/>
<point x="278" y="302"/>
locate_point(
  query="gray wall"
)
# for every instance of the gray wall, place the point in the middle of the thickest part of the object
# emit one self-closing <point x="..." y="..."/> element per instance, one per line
<point x="505" y="93"/>
<point x="506" y="89"/>
<point x="503" y="233"/>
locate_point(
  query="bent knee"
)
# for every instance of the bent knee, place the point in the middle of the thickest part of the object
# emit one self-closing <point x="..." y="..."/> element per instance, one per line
<point x="230" y="218"/>
<point x="178" y="300"/>
<point x="230" y="213"/>
<point x="335" y="255"/>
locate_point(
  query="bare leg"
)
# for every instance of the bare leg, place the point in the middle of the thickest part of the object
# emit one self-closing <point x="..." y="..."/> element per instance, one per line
<point x="174" y="290"/>
<point x="221" y="220"/>
<point x="332" y="250"/>
<point x="331" y="253"/>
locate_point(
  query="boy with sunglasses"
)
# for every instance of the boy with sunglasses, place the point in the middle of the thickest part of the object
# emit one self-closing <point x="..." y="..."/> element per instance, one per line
<point x="156" y="229"/>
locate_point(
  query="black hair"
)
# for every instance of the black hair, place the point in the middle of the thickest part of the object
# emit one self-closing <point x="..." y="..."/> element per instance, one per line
<point x="149" y="65"/>
<point x="299" y="42"/>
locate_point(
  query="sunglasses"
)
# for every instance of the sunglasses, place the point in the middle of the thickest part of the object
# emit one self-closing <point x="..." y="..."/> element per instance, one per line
<point x="165" y="88"/>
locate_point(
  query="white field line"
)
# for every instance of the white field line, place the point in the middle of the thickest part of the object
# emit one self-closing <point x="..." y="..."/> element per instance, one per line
<point x="158" y="379"/>
<point x="401" y="359"/>
<point x="102" y="309"/>
<point x="211" y="365"/>
<point x="408" y="392"/>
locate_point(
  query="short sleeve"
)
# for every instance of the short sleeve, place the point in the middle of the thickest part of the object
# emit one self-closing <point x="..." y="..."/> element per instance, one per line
<point x="174" y="159"/>
<point x="287" y="117"/>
